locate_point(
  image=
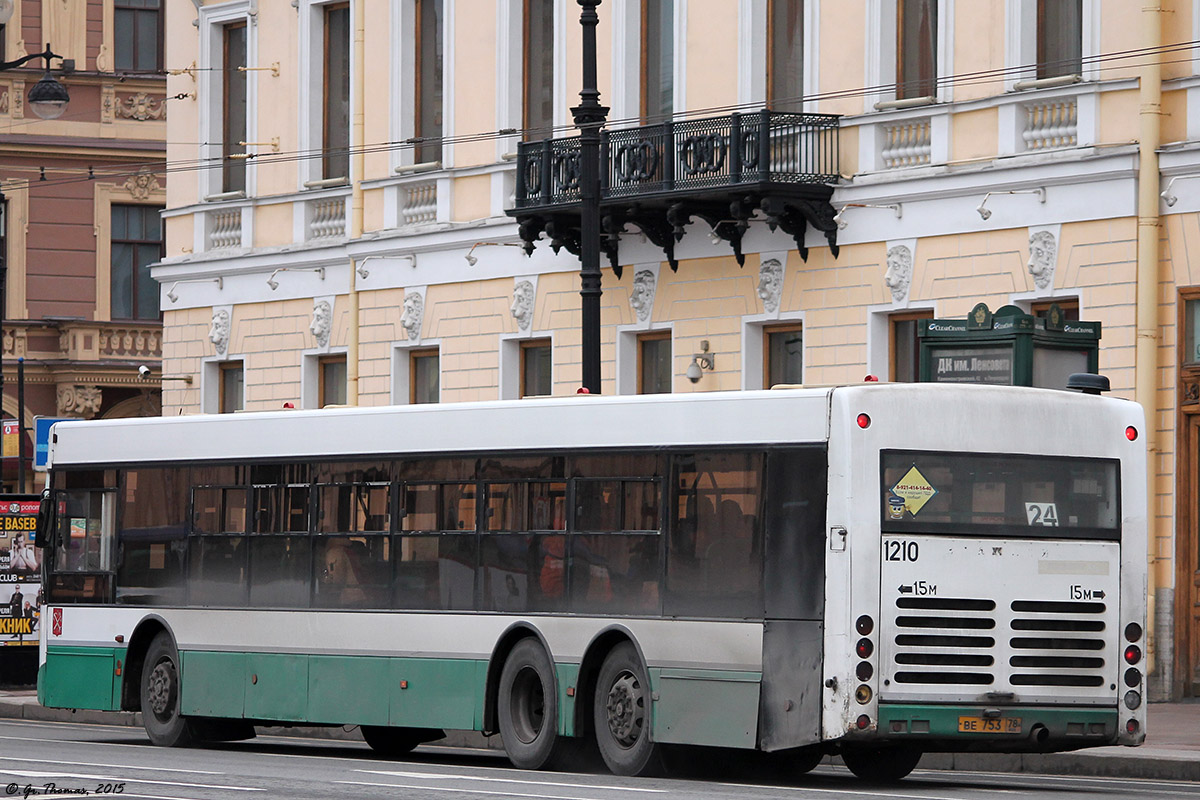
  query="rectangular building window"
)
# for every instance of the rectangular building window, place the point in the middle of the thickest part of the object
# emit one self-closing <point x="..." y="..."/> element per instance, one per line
<point x="785" y="57"/>
<point x="1059" y="38"/>
<point x="332" y="381"/>
<point x="784" y="346"/>
<point x="535" y="368"/>
<point x="233" y="127"/>
<point x="424" y="381"/>
<point x="429" y="80"/>
<point x="916" y="48"/>
<point x="336" y="111"/>
<point x="654" y="363"/>
<point x="658" y="59"/>
<point x="137" y="35"/>
<point x="233" y="379"/>
<point x="905" y="346"/>
<point x="538" y="73"/>
<point x="137" y="242"/>
<point x="1068" y="307"/>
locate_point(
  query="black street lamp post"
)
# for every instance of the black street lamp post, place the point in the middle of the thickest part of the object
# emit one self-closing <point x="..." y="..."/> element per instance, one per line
<point x="48" y="99"/>
<point x="589" y="118"/>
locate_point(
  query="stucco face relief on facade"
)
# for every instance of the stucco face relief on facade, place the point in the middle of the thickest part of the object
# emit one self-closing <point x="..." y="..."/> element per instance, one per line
<point x="218" y="331"/>
<point x="1043" y="252"/>
<point x="414" y="311"/>
<point x="522" y="304"/>
<point x="770" y="284"/>
<point x="642" y="297"/>
<point x="321" y="323"/>
<point x="899" y="272"/>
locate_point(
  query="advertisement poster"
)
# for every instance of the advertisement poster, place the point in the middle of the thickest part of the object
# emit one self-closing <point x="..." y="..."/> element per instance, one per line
<point x="20" y="572"/>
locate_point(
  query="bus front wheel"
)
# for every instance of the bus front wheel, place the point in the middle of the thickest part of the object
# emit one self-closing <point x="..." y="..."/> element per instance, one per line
<point x="621" y="714"/>
<point x="882" y="764"/>
<point x="160" y="693"/>
<point x="528" y="706"/>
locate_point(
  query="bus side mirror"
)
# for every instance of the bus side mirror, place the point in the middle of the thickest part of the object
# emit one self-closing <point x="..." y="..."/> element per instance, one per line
<point x="45" y="520"/>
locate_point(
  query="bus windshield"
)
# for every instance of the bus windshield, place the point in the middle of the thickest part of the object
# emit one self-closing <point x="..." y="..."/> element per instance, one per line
<point x="1000" y="495"/>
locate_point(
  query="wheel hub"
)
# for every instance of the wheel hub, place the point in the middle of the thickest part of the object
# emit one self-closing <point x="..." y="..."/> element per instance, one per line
<point x="161" y="689"/>
<point x="625" y="708"/>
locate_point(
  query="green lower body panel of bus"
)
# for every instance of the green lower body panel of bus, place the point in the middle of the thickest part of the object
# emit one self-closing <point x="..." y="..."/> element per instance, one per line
<point x="330" y="689"/>
<point x="1007" y="728"/>
<point x="81" y="677"/>
<point x="711" y="707"/>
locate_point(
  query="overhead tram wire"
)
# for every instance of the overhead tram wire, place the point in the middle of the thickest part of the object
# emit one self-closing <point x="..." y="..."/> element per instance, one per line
<point x="962" y="79"/>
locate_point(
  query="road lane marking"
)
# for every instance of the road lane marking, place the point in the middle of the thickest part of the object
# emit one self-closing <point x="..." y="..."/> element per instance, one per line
<point x="440" y="777"/>
<point x="879" y="792"/>
<point x="111" y="779"/>
<point x="426" y="788"/>
<point x="110" y="766"/>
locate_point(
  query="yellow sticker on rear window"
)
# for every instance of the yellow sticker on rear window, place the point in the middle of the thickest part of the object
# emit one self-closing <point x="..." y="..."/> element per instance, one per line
<point x="914" y="490"/>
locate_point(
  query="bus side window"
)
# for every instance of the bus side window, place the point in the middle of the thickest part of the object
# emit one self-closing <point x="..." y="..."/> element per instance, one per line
<point x="84" y="543"/>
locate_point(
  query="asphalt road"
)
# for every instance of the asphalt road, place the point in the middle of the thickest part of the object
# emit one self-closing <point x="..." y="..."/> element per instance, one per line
<point x="99" y="759"/>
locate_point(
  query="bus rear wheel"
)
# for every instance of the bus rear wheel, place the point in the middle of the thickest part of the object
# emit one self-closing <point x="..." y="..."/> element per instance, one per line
<point x="160" y="693"/>
<point x="528" y="706"/>
<point x="882" y="764"/>
<point x="621" y="714"/>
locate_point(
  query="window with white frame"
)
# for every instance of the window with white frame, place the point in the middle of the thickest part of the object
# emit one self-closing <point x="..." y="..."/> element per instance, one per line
<point x="428" y="80"/>
<point x="537" y="75"/>
<point x="335" y="108"/>
<point x="233" y="106"/>
<point x="1059" y="38"/>
<point x="916" y="48"/>
<point x="658" y="60"/>
<point x="785" y="59"/>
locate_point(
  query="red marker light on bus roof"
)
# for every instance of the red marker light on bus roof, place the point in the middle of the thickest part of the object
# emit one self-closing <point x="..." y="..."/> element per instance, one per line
<point x="864" y="421"/>
<point x="1131" y="433"/>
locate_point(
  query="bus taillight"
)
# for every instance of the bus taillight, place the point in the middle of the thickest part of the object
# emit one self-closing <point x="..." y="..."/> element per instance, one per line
<point x="864" y="722"/>
<point x="1131" y="433"/>
<point x="1133" y="654"/>
<point x="1133" y="632"/>
<point x="864" y="648"/>
<point x="1132" y="726"/>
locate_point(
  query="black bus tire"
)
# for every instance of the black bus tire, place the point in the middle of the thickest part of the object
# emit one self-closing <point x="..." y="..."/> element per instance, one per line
<point x="882" y="764"/>
<point x="160" y="695"/>
<point x="396" y="742"/>
<point x="621" y="715"/>
<point x="528" y="706"/>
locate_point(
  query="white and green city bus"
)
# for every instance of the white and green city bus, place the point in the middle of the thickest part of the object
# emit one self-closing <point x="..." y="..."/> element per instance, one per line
<point x="874" y="570"/>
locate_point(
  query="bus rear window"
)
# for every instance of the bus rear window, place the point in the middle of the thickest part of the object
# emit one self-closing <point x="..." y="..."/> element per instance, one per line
<point x="1000" y="495"/>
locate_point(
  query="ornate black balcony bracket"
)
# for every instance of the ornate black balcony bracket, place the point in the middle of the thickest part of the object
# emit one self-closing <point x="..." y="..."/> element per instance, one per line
<point x="731" y="172"/>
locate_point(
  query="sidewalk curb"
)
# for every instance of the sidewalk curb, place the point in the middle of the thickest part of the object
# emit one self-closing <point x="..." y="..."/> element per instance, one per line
<point x="1158" y="765"/>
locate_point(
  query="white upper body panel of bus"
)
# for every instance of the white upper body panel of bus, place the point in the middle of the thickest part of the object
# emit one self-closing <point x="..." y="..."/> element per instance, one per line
<point x="940" y="417"/>
<point x="535" y="424"/>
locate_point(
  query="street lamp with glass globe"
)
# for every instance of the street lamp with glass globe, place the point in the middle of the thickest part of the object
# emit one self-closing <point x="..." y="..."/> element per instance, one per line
<point x="48" y="98"/>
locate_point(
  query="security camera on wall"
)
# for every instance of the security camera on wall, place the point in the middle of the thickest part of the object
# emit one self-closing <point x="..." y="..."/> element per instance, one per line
<point x="143" y="371"/>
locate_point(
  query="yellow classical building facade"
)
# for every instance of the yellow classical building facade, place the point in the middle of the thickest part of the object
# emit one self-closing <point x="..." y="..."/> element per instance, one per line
<point x="338" y="228"/>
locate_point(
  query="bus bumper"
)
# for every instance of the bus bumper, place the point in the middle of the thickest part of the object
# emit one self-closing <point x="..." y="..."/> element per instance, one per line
<point x="1008" y="729"/>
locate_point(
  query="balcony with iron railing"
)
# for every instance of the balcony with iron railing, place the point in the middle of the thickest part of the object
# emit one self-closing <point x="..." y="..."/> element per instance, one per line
<point x="770" y="166"/>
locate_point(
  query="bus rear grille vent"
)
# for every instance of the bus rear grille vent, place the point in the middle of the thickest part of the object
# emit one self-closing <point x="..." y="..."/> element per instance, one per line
<point x="941" y="641"/>
<point x="1064" y="655"/>
<point x="946" y="603"/>
<point x="977" y="678"/>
